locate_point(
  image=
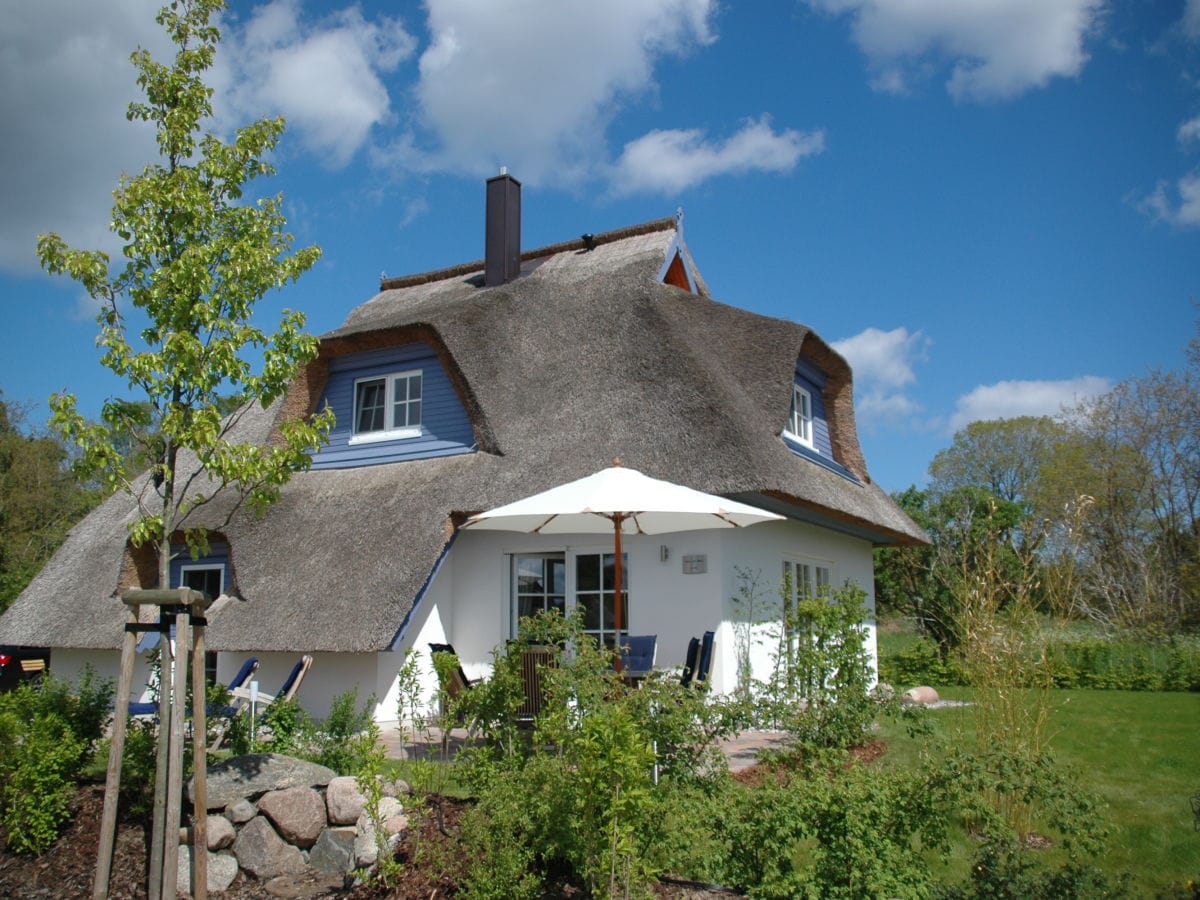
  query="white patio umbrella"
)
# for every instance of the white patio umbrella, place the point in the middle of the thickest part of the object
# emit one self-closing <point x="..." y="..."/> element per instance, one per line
<point x="623" y="501"/>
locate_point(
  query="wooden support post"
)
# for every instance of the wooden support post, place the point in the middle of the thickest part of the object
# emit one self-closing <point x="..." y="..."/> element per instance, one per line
<point x="199" y="768"/>
<point x="182" y="605"/>
<point x="179" y="680"/>
<point x="162" y="764"/>
<point x="112" y="779"/>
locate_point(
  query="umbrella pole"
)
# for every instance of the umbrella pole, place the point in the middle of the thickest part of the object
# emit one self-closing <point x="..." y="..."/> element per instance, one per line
<point x="618" y="575"/>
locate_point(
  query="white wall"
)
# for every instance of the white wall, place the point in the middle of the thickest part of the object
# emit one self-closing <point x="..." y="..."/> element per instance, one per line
<point x="69" y="665"/>
<point x="467" y="604"/>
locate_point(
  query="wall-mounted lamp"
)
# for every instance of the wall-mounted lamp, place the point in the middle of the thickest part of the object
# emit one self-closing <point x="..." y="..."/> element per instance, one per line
<point x="664" y="552"/>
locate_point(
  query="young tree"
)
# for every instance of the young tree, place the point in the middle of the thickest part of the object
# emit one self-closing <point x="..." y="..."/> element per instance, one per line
<point x="198" y="257"/>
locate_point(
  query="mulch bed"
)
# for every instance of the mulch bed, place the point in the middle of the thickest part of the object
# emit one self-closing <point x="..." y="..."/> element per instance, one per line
<point x="67" y="869"/>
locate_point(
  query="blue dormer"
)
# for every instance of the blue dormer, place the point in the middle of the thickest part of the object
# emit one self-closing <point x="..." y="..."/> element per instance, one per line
<point x="391" y="405"/>
<point x="806" y="432"/>
<point x="209" y="573"/>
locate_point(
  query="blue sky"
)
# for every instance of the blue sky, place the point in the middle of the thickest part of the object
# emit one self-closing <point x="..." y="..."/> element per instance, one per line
<point x="991" y="207"/>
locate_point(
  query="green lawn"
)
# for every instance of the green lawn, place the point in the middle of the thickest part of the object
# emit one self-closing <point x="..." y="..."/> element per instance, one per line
<point x="1139" y="752"/>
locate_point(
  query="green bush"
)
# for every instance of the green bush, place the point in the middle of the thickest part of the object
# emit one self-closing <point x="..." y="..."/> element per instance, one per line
<point x="39" y="786"/>
<point x="1096" y="663"/>
<point x="843" y="832"/>
<point x="343" y="741"/>
<point x="48" y="733"/>
<point x="572" y="795"/>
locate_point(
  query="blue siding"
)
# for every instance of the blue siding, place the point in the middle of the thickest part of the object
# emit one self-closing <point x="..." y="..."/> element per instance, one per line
<point x="445" y="428"/>
<point x="218" y="555"/>
<point x="810" y="377"/>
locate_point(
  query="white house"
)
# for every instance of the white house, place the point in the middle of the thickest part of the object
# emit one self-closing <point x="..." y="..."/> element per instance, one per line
<point x="463" y="389"/>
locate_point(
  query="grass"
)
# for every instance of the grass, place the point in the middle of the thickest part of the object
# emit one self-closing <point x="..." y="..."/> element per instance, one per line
<point x="1138" y="751"/>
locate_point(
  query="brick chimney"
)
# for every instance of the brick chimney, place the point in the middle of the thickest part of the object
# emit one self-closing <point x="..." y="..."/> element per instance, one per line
<point x="502" y="243"/>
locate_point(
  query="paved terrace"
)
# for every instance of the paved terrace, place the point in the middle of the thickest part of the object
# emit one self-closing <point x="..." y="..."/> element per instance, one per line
<point x="741" y="750"/>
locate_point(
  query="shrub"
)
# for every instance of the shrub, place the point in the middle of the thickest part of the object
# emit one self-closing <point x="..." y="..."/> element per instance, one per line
<point x="47" y="734"/>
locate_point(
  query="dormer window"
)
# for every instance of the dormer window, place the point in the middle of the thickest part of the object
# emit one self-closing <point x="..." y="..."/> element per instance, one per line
<point x="800" y="419"/>
<point x="387" y="407"/>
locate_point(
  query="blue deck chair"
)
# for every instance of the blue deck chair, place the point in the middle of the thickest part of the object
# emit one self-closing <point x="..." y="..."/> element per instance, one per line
<point x="637" y="654"/>
<point x="249" y="667"/>
<point x="706" y="654"/>
<point x="690" y="662"/>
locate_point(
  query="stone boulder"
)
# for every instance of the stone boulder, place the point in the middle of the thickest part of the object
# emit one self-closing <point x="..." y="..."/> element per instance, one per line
<point x="343" y="800"/>
<point x="220" y="832"/>
<point x="263" y="853"/>
<point x="391" y="813"/>
<point x="241" y="812"/>
<point x="241" y="777"/>
<point x="923" y="695"/>
<point x="298" y="814"/>
<point x="334" y="851"/>
<point x="222" y="869"/>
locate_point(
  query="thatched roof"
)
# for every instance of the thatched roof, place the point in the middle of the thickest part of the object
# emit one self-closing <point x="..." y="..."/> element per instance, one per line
<point x="586" y="357"/>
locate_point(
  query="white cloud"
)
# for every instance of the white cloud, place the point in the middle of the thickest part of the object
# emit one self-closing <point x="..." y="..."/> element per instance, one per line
<point x="1191" y="20"/>
<point x="1178" y="204"/>
<point x="997" y="48"/>
<point x="67" y="83"/>
<point x="884" y="365"/>
<point x="672" y="160"/>
<point x="1190" y="130"/>
<point x="324" y="78"/>
<point x="533" y="85"/>
<point x="1009" y="399"/>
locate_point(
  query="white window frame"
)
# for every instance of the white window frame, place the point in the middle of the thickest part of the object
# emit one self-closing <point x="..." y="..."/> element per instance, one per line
<point x="570" y="556"/>
<point x="389" y="403"/>
<point x="202" y="567"/>
<point x="800" y="418"/>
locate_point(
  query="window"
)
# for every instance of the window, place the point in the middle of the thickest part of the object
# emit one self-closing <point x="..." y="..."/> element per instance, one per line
<point x="802" y="580"/>
<point x="800" y="419"/>
<point x="540" y="584"/>
<point x="387" y="407"/>
<point x="209" y="579"/>
<point x="595" y="591"/>
<point x="561" y="581"/>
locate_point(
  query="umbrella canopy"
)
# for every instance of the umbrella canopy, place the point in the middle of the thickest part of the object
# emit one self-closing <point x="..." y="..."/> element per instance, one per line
<point x="619" y="498"/>
<point x="621" y="501"/>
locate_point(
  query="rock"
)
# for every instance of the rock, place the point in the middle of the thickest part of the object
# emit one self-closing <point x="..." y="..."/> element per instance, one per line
<point x="263" y="853"/>
<point x="220" y="832"/>
<point x="298" y="814"/>
<point x="391" y="813"/>
<point x="241" y="812"/>
<point x="222" y="869"/>
<point x="343" y="800"/>
<point x="923" y="695"/>
<point x="241" y="777"/>
<point x="883" y="691"/>
<point x="334" y="851"/>
<point x="397" y="788"/>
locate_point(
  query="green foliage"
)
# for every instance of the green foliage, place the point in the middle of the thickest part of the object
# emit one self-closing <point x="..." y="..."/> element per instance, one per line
<point x="40" y="498"/>
<point x="840" y="832"/>
<point x="344" y="742"/>
<point x="369" y="777"/>
<point x="47" y="735"/>
<point x="571" y="795"/>
<point x="1096" y="663"/>
<point x="198" y="258"/>
<point x="139" y="761"/>
<point x="38" y="788"/>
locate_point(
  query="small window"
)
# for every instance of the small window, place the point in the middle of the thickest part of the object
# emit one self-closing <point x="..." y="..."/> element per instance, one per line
<point x="207" y="578"/>
<point x="800" y="419"/>
<point x="387" y="407"/>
